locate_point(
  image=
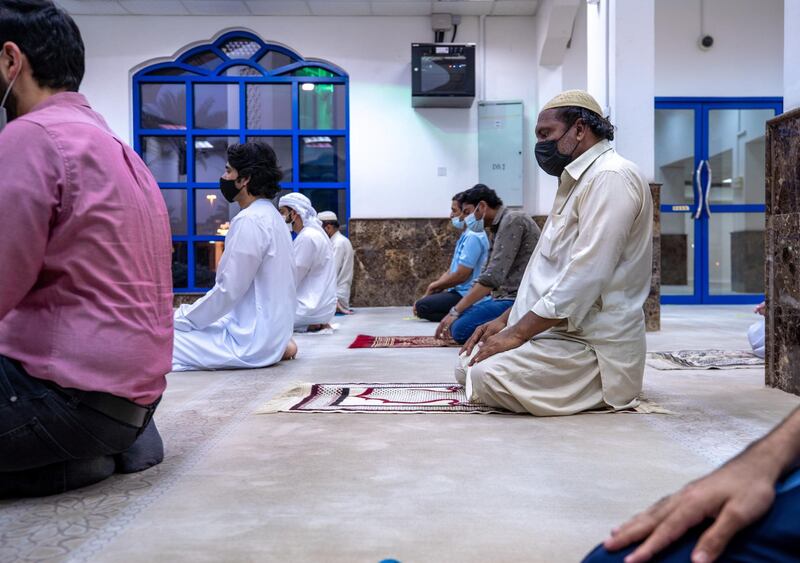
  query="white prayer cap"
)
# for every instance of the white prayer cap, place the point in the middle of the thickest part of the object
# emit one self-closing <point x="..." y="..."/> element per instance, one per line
<point x="574" y="98"/>
<point x="302" y="205"/>
<point x="328" y="216"/>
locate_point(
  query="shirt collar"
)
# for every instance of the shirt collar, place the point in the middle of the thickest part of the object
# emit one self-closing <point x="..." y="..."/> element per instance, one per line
<point x="577" y="167"/>
<point x="62" y="99"/>
<point x="498" y="217"/>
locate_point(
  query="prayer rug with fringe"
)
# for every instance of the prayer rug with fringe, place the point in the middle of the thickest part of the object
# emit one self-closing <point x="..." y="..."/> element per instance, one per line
<point x="367" y="341"/>
<point x="392" y="398"/>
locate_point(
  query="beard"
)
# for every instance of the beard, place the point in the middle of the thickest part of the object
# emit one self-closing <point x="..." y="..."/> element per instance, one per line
<point x="11" y="101"/>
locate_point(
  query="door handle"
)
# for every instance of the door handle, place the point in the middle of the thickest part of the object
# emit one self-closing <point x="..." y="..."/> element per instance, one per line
<point x="707" y="196"/>
<point x="698" y="189"/>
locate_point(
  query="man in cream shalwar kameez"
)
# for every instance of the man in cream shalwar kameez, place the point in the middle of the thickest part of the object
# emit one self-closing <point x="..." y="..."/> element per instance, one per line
<point x="586" y="284"/>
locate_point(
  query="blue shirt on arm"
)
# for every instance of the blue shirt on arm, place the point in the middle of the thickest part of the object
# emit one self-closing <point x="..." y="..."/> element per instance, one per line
<point x="472" y="251"/>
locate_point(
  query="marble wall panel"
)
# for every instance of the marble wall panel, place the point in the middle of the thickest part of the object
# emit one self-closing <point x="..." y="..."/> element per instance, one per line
<point x="188" y="298"/>
<point x="674" y="264"/>
<point x="396" y="259"/>
<point x="783" y="253"/>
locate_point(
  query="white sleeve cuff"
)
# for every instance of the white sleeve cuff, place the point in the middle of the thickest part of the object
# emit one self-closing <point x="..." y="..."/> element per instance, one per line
<point x="545" y="309"/>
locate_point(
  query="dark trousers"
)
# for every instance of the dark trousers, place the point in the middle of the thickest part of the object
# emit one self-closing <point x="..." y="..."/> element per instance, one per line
<point x="776" y="537"/>
<point x="435" y="307"/>
<point x="50" y="443"/>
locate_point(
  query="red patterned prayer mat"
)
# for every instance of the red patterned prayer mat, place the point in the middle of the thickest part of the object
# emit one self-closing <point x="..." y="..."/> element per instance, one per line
<point x="377" y="398"/>
<point x="367" y="341"/>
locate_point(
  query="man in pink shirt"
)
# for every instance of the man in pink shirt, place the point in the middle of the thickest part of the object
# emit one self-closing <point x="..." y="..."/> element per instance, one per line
<point x="85" y="283"/>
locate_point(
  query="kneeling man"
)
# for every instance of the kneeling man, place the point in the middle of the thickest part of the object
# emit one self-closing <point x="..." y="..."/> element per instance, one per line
<point x="574" y="339"/>
<point x="85" y="290"/>
<point x="246" y="319"/>
<point x="314" y="261"/>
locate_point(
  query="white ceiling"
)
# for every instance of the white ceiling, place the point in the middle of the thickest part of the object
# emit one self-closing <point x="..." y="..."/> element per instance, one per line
<point x="301" y="7"/>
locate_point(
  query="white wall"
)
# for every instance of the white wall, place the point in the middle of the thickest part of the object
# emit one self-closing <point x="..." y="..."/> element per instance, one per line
<point x="632" y="80"/>
<point x="747" y="56"/>
<point x="395" y="150"/>
<point x="791" y="57"/>
<point x="549" y="82"/>
<point x="511" y="75"/>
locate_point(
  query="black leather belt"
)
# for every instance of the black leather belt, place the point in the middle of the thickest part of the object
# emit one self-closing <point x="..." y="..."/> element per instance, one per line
<point x="121" y="410"/>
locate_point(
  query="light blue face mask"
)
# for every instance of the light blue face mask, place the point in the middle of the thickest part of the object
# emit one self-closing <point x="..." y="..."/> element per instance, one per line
<point x="457" y="223"/>
<point x="473" y="224"/>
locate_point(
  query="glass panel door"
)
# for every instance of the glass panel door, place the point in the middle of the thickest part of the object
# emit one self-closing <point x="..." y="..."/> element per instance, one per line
<point x="736" y="254"/>
<point x="736" y="155"/>
<point x="676" y="163"/>
<point x="734" y="202"/>
<point x="710" y="158"/>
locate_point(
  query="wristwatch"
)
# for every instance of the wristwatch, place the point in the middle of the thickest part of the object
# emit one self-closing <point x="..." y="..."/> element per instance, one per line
<point x="454" y="313"/>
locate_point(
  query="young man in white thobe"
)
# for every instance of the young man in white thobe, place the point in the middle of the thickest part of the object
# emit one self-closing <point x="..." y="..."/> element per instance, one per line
<point x="246" y="319"/>
<point x="314" y="264"/>
<point x="343" y="256"/>
<point x="574" y="339"/>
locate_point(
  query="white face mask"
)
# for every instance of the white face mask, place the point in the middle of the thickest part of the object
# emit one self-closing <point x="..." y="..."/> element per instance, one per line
<point x="3" y="113"/>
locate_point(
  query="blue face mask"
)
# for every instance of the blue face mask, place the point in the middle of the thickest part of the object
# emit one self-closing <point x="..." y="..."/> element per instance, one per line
<point x="457" y="223"/>
<point x="473" y="224"/>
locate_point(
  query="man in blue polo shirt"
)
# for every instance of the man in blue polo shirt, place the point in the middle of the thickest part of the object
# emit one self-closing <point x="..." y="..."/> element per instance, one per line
<point x="472" y="251"/>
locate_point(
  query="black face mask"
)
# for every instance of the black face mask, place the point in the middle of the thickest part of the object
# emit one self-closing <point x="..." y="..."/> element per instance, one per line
<point x="228" y="189"/>
<point x="548" y="157"/>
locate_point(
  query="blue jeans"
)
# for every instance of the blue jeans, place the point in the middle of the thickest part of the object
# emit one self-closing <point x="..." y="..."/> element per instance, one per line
<point x="776" y="537"/>
<point x="50" y="443"/>
<point x="478" y="314"/>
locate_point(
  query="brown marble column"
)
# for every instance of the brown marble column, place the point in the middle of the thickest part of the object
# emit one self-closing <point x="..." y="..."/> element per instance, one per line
<point x="652" y="307"/>
<point x="782" y="252"/>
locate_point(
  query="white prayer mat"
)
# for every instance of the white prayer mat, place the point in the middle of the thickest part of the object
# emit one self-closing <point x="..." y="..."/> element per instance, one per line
<point x="704" y="359"/>
<point x="394" y="398"/>
<point x="334" y="327"/>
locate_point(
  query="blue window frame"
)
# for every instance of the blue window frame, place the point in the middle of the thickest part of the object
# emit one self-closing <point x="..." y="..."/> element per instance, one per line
<point x="237" y="88"/>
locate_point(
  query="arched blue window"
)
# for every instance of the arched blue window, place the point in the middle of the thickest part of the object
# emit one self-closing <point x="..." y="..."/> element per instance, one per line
<point x="189" y="110"/>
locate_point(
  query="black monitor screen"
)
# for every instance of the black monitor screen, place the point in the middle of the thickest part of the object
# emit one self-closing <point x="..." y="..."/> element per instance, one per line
<point x="443" y="74"/>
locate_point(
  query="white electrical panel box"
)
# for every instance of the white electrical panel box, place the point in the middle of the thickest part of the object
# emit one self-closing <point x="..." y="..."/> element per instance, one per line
<point x="500" y="136"/>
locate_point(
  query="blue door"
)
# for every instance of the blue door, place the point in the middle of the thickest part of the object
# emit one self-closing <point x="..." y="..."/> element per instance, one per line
<point x="710" y="157"/>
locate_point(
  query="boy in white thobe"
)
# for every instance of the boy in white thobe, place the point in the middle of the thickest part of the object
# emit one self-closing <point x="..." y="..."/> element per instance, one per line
<point x="575" y="338"/>
<point x="246" y="319"/>
<point x="314" y="265"/>
<point x="343" y="257"/>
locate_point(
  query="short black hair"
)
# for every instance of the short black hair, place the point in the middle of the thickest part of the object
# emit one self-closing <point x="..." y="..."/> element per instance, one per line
<point x="482" y="192"/>
<point x="459" y="198"/>
<point x="49" y="38"/>
<point x="599" y="125"/>
<point x="334" y="224"/>
<point x="257" y="161"/>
